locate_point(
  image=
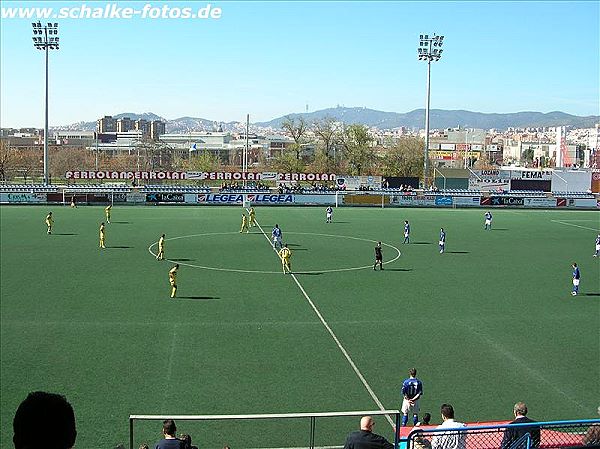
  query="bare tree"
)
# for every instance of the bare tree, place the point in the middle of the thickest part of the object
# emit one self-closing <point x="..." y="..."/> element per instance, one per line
<point x="296" y="128"/>
<point x="358" y="153"/>
<point x="405" y="158"/>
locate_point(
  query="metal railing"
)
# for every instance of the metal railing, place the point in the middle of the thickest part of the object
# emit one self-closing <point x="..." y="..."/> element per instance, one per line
<point x="542" y="435"/>
<point x="312" y="417"/>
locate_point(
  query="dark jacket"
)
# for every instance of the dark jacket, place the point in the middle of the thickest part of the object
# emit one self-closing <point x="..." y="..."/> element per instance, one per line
<point x="362" y="439"/>
<point x="512" y="434"/>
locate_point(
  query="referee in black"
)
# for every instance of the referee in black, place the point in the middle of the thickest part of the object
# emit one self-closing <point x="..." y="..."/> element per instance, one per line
<point x="378" y="257"/>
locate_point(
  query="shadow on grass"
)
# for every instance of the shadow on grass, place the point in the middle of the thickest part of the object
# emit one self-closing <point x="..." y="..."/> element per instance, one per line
<point x="500" y="229"/>
<point x="339" y="222"/>
<point x="419" y="243"/>
<point x="64" y="233"/>
<point x="119" y="247"/>
<point x="183" y="260"/>
<point x="591" y="294"/>
<point x="457" y="252"/>
<point x="120" y="222"/>
<point x="397" y="269"/>
<point x="300" y="273"/>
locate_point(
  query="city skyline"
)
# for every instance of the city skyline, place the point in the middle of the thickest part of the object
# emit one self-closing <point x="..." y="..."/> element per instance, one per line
<point x="269" y="59"/>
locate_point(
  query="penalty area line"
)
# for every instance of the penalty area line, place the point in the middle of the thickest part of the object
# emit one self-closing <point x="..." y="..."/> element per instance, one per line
<point x="335" y="338"/>
<point x="574" y="225"/>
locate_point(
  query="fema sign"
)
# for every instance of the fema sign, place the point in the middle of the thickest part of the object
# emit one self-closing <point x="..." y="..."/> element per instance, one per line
<point x="236" y="198"/>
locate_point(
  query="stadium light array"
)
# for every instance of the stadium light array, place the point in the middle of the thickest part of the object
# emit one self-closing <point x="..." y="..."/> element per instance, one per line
<point x="45" y="37"/>
<point x="430" y="49"/>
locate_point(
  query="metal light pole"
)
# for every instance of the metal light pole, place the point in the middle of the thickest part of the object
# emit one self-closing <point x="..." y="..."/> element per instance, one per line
<point x="45" y="37"/>
<point x="429" y="50"/>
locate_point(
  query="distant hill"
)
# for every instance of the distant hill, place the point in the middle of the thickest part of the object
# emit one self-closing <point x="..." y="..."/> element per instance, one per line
<point x="439" y="119"/>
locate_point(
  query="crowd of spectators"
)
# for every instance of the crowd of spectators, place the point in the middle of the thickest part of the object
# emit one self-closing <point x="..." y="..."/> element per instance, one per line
<point x="239" y="187"/>
<point x="311" y="188"/>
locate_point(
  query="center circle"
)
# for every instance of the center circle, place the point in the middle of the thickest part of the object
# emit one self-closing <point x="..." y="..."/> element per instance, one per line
<point x="235" y="270"/>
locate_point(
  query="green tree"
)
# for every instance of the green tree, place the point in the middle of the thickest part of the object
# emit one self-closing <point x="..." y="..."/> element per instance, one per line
<point x="527" y="156"/>
<point x="404" y="158"/>
<point x="205" y="161"/>
<point x="358" y="152"/>
<point x="287" y="163"/>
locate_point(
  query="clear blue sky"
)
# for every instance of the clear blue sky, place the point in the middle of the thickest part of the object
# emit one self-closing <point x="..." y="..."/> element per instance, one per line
<point x="272" y="58"/>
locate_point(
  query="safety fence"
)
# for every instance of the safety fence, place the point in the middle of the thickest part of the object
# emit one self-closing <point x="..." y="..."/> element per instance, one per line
<point x="542" y="435"/>
<point x="297" y="430"/>
<point x="455" y="199"/>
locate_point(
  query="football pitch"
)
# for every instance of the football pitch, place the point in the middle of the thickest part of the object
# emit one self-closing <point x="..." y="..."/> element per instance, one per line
<point x="488" y="323"/>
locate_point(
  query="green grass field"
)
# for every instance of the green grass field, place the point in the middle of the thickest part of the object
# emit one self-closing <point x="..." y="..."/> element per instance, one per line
<point x="488" y="323"/>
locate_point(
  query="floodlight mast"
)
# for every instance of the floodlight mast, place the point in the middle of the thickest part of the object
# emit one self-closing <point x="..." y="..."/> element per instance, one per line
<point x="45" y="37"/>
<point x="429" y="50"/>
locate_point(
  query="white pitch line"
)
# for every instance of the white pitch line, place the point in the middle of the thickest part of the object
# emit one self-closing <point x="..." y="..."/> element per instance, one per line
<point x="170" y="366"/>
<point x="236" y="270"/>
<point x="574" y="225"/>
<point x="337" y="341"/>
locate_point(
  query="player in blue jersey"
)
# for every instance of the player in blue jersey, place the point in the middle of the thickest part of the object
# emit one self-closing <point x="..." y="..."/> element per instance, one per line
<point x="412" y="390"/>
<point x="576" y="277"/>
<point x="276" y="235"/>
<point x="328" y="214"/>
<point x="597" y="246"/>
<point x="442" y="241"/>
<point x="406" y="232"/>
<point x="488" y="221"/>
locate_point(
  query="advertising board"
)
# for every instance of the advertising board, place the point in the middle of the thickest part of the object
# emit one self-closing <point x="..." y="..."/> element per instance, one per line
<point x="507" y="201"/>
<point x="165" y="198"/>
<point x="237" y="198"/>
<point x="443" y="200"/>
<point x="414" y="200"/>
<point x="466" y="200"/>
<point x="22" y="197"/>
<point x="540" y="202"/>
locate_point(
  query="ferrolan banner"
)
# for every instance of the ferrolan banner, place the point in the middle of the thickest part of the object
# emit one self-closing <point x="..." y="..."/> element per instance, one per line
<point x="266" y="176"/>
<point x="22" y="197"/>
<point x="128" y="175"/>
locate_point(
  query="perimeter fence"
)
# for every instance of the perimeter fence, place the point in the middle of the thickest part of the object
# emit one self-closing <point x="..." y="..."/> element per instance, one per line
<point x="542" y="435"/>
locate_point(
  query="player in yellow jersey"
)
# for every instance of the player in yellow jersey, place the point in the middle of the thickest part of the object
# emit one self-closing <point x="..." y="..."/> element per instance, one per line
<point x="251" y="218"/>
<point x="173" y="279"/>
<point x="102" y="236"/>
<point x="244" y="223"/>
<point x="161" y="248"/>
<point x="49" y="222"/>
<point x="286" y="254"/>
<point x="107" y="212"/>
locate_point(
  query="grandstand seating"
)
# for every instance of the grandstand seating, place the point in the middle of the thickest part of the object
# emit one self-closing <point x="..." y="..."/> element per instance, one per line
<point x="29" y="188"/>
<point x="174" y="189"/>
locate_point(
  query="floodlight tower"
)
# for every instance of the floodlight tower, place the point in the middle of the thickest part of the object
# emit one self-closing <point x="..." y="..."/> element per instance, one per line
<point x="45" y="37"/>
<point x="430" y="49"/>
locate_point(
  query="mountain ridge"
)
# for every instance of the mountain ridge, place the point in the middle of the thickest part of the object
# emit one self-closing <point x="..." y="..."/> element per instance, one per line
<point x="415" y="119"/>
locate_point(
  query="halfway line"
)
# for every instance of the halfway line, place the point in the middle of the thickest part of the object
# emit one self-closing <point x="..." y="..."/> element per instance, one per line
<point x="337" y="341"/>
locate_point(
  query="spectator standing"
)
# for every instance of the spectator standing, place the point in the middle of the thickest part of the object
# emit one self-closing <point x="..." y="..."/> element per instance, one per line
<point x="455" y="439"/>
<point x="170" y="441"/>
<point x="365" y="438"/>
<point x="512" y="434"/>
<point x="412" y="389"/>
<point x="44" y="420"/>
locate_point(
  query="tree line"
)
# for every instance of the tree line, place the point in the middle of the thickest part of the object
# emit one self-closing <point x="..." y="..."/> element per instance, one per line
<point x="325" y="146"/>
